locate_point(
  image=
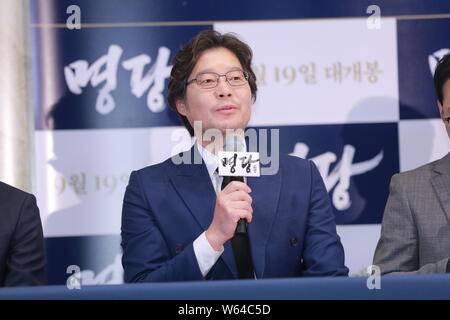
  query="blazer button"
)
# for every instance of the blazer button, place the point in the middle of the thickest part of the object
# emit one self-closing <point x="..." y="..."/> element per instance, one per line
<point x="178" y="248"/>
<point x="294" y="242"/>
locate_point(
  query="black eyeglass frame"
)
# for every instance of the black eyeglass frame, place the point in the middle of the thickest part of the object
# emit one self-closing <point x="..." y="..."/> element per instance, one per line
<point x="245" y="73"/>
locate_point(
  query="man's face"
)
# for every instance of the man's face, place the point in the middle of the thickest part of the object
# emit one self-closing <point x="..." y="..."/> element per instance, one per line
<point x="222" y="107"/>
<point x="444" y="108"/>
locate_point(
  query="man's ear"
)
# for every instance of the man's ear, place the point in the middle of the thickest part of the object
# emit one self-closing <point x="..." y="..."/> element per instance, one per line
<point x="181" y="107"/>
<point x="440" y="108"/>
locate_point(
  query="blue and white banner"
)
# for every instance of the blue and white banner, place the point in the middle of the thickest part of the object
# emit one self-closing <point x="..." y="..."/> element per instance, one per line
<point x="355" y="97"/>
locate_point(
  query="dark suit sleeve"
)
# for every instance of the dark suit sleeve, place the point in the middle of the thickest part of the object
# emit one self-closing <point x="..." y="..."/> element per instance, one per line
<point x="26" y="262"/>
<point x="323" y="254"/>
<point x="146" y="256"/>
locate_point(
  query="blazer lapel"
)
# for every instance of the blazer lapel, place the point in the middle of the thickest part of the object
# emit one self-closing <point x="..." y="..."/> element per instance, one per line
<point x="265" y="194"/>
<point x="441" y="183"/>
<point x="192" y="180"/>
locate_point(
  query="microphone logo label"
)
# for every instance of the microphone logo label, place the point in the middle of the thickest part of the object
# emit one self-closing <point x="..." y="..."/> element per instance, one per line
<point x="239" y="164"/>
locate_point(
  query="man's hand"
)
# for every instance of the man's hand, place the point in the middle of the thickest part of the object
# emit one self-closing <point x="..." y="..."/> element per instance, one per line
<point x="232" y="204"/>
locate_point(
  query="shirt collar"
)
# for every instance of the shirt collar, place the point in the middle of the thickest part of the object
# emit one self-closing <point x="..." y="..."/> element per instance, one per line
<point x="211" y="160"/>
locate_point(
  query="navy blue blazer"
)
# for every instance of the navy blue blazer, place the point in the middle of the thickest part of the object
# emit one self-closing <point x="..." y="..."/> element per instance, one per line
<point x="167" y="206"/>
<point x="22" y="254"/>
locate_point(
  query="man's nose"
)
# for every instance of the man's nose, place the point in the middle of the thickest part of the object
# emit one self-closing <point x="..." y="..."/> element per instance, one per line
<point x="223" y="87"/>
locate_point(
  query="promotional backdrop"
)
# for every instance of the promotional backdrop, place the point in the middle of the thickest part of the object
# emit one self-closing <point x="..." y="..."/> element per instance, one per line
<point x="352" y="92"/>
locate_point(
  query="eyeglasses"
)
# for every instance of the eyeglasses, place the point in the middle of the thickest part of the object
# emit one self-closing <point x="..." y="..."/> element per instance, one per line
<point x="209" y="80"/>
<point x="447" y="119"/>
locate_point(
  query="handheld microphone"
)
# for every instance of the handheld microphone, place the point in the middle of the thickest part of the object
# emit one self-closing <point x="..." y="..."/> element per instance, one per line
<point x="235" y="143"/>
<point x="235" y="164"/>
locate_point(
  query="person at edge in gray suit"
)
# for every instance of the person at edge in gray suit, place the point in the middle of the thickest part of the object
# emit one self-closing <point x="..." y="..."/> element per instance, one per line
<point x="415" y="233"/>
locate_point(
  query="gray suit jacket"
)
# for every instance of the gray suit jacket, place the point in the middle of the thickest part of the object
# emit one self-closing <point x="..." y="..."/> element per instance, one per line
<point x="415" y="234"/>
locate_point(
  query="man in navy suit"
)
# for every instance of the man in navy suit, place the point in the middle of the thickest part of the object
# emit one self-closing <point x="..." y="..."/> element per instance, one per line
<point x="177" y="223"/>
<point x="22" y="256"/>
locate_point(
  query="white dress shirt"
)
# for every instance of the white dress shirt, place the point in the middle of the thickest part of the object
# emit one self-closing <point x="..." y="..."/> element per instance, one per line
<point x="204" y="252"/>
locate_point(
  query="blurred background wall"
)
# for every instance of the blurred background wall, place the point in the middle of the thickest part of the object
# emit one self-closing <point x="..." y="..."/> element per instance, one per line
<point x="347" y="83"/>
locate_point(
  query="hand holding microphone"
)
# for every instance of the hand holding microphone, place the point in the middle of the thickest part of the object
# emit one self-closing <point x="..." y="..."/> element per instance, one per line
<point x="233" y="204"/>
<point x="233" y="208"/>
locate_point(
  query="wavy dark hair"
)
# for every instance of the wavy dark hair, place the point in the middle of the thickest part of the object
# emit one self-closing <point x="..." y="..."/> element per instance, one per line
<point x="441" y="75"/>
<point x="186" y="59"/>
